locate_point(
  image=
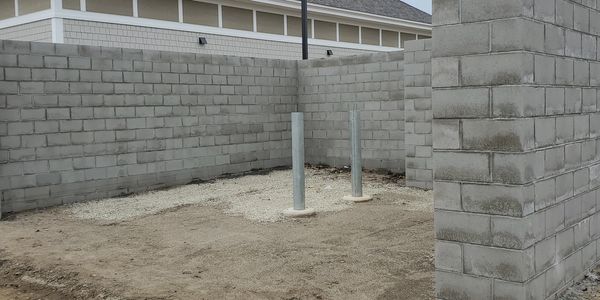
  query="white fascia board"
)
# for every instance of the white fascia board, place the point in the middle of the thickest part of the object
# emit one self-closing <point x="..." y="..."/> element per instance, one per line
<point x="200" y="29"/>
<point x="345" y="13"/>
<point x="28" y="18"/>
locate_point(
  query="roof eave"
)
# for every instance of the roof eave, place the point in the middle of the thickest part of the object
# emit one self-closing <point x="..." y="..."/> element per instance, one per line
<point x="346" y="13"/>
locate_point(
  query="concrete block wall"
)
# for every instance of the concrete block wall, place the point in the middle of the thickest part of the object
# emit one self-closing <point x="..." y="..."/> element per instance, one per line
<point x="84" y="122"/>
<point x="516" y="152"/>
<point x="418" y="114"/>
<point x="139" y="37"/>
<point x="329" y="88"/>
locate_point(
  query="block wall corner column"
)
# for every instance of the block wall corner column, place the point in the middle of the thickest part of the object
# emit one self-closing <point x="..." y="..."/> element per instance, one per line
<point x="515" y="146"/>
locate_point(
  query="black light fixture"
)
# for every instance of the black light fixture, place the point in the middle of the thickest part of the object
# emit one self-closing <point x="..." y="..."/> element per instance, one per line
<point x="202" y="41"/>
<point x="329" y="52"/>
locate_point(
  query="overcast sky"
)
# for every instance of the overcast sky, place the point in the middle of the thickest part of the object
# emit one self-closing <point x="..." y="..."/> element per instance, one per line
<point x="424" y="5"/>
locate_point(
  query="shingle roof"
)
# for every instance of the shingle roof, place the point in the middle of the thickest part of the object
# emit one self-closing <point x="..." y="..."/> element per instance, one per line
<point x="389" y="8"/>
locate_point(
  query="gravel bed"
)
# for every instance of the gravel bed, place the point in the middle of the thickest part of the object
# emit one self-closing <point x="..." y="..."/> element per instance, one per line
<point x="262" y="198"/>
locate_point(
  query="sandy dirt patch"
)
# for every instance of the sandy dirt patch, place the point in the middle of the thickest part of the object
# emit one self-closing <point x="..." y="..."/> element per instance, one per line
<point x="230" y="242"/>
<point x="586" y="289"/>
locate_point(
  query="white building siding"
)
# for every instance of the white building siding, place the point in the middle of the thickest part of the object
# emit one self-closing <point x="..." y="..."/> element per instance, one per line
<point x="40" y="31"/>
<point x="138" y="37"/>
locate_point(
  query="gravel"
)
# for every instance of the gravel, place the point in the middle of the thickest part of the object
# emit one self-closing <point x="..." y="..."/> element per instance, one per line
<point x="261" y="198"/>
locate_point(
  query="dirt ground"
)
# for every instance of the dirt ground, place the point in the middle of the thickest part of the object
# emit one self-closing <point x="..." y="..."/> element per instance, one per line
<point x="201" y="250"/>
<point x="587" y="289"/>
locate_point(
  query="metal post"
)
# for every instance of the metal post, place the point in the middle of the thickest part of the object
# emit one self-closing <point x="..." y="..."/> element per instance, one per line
<point x="357" y="193"/>
<point x="305" y="29"/>
<point x="298" y="159"/>
<point x="299" y="209"/>
<point x="356" y="154"/>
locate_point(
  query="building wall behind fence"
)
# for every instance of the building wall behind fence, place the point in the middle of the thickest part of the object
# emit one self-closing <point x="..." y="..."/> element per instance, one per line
<point x="418" y="114"/>
<point x="139" y="37"/>
<point x="516" y="153"/>
<point x="40" y="31"/>
<point x="81" y="122"/>
<point x="372" y="83"/>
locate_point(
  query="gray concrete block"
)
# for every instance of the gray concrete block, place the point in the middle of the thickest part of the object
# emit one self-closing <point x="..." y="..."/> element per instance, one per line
<point x="517" y="34"/>
<point x="449" y="256"/>
<point x="448" y="285"/>
<point x="461" y="103"/>
<point x="463" y="227"/>
<point x="447" y="195"/>
<point x="472" y="11"/>
<point x="55" y="62"/>
<point x="497" y="69"/>
<point x="498" y="135"/>
<point x="515" y="201"/>
<point x="518" y="168"/>
<point x="461" y="166"/>
<point x="510" y="265"/>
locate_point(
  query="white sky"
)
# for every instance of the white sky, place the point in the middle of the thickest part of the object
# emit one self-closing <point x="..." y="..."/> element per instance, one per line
<point x="424" y="5"/>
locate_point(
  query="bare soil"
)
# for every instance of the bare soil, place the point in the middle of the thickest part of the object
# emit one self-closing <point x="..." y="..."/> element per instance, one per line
<point x="586" y="289"/>
<point x="377" y="250"/>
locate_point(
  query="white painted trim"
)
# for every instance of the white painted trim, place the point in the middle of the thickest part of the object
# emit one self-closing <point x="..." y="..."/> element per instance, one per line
<point x="399" y="41"/>
<point x="16" y="8"/>
<point x="380" y="37"/>
<point x="360" y="34"/>
<point x="285" y="25"/>
<point x="58" y="31"/>
<point x="136" y="9"/>
<point x="83" y="5"/>
<point x="56" y="4"/>
<point x="337" y="31"/>
<point x="180" y="10"/>
<point x="220" y="17"/>
<point x="254" y="21"/>
<point x="312" y="28"/>
<point x="28" y="18"/>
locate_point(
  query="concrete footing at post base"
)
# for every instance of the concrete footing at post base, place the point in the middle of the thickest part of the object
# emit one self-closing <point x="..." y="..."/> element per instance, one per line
<point x="293" y="213"/>
<point x="365" y="198"/>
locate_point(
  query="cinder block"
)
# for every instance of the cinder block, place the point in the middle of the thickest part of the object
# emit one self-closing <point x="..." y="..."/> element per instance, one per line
<point x="447" y="195"/>
<point x="509" y="265"/>
<point x="446" y="134"/>
<point x="565" y="243"/>
<point x="453" y="38"/>
<point x="462" y="166"/>
<point x="445" y="72"/>
<point x="521" y="168"/>
<point x="518" y="233"/>
<point x="448" y="285"/>
<point x="55" y="62"/>
<point x="517" y="34"/>
<point x="463" y="227"/>
<point x="498" y="135"/>
<point x="515" y="201"/>
<point x="448" y="256"/>
<point x="497" y="69"/>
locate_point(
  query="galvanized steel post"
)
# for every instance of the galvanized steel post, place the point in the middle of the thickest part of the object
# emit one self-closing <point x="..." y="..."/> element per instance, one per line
<point x="298" y="159"/>
<point x="355" y="141"/>
<point x="299" y="209"/>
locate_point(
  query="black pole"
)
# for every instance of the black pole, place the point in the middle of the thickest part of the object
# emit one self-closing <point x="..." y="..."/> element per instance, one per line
<point x="304" y="29"/>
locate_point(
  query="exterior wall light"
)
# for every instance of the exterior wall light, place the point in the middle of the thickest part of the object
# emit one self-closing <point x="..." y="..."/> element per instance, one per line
<point x="202" y="41"/>
<point x="329" y="52"/>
